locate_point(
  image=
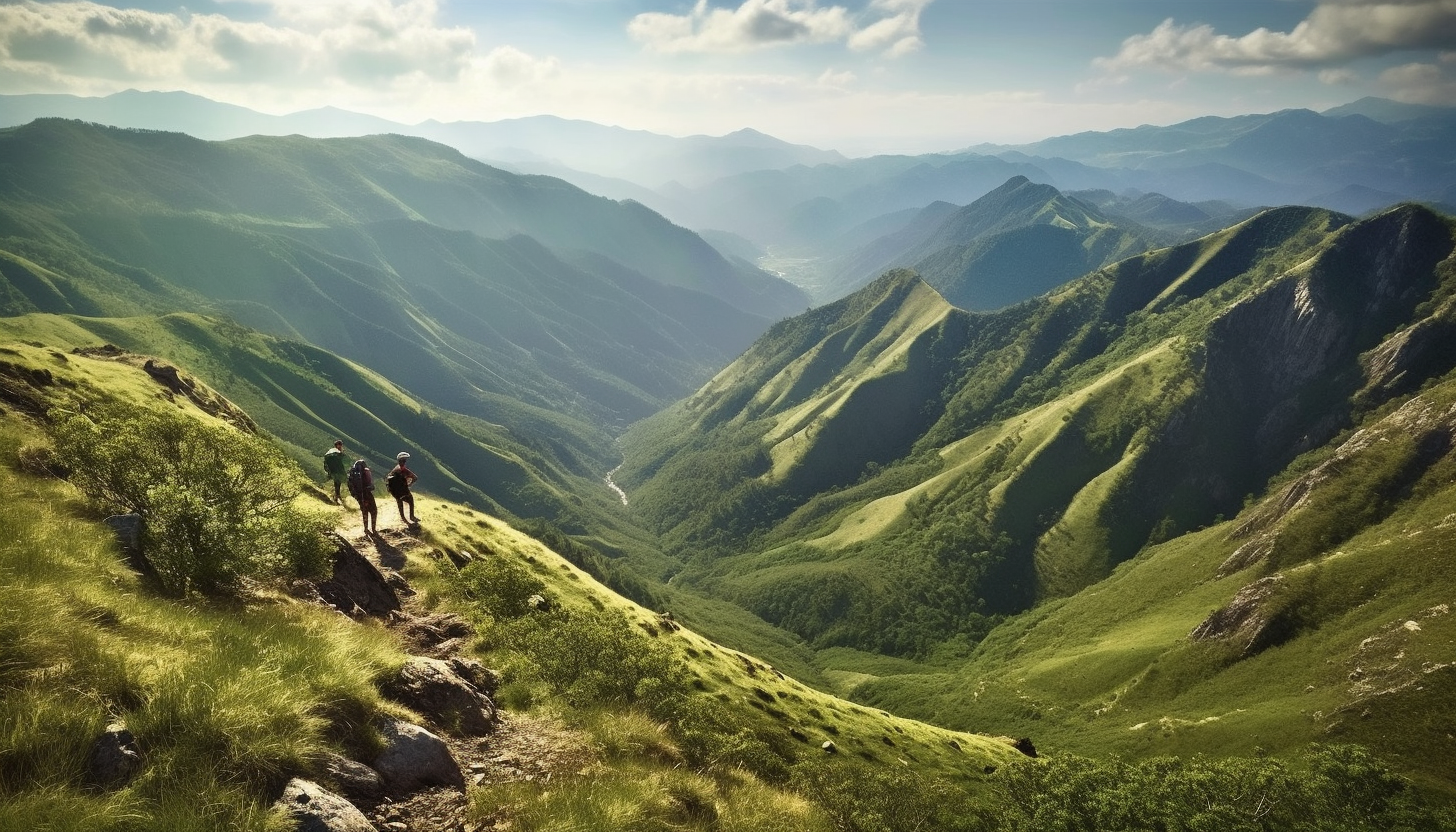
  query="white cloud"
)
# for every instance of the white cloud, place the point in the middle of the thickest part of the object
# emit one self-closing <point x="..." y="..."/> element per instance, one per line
<point x="1338" y="77"/>
<point x="1418" y="83"/>
<point x="307" y="44"/>
<point x="510" y="66"/>
<point x="891" y="27"/>
<point x="1335" y="31"/>
<point x="898" y="34"/>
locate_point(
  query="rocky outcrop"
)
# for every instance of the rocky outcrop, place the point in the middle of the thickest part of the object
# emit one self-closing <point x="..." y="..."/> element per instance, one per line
<point x="316" y="809"/>
<point x="439" y="635"/>
<point x="208" y="401"/>
<point x="1431" y="426"/>
<point x="414" y="758"/>
<point x="1246" y="620"/>
<point x="446" y="692"/>
<point x="357" y="588"/>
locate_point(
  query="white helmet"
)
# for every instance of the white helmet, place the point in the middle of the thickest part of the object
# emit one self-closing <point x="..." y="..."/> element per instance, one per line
<point x="403" y="455"/>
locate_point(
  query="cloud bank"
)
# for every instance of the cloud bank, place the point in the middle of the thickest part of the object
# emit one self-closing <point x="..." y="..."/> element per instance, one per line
<point x="888" y="26"/>
<point x="312" y="44"/>
<point x="1335" y="34"/>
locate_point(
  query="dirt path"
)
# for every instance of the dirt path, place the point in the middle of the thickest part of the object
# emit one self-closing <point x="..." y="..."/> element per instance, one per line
<point x="522" y="748"/>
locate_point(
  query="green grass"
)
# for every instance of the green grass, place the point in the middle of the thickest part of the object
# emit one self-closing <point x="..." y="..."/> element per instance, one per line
<point x="227" y="701"/>
<point x="1366" y="658"/>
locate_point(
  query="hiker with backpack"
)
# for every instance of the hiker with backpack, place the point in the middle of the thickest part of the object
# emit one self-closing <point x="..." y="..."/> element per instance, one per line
<point x="398" y="484"/>
<point x="361" y="487"/>
<point x="335" y="469"/>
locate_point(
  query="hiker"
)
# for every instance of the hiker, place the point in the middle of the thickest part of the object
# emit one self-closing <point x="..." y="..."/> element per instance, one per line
<point x="361" y="486"/>
<point x="398" y="484"/>
<point x="335" y="469"/>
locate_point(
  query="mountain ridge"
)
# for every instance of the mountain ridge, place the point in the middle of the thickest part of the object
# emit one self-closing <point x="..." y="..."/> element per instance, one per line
<point x="1041" y="428"/>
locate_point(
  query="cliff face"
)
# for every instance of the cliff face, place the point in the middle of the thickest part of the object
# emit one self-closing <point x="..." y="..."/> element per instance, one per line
<point x="1283" y="367"/>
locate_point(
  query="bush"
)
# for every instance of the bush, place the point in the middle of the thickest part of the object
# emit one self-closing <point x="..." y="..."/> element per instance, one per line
<point x="866" y="799"/>
<point x="217" y="503"/>
<point x="500" y="587"/>
<point x="1337" y="789"/>
<point x="594" y="657"/>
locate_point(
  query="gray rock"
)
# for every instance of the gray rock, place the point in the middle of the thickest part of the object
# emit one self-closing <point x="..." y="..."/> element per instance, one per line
<point x="413" y="758"/>
<point x="318" y="810"/>
<point x="398" y="583"/>
<point x="352" y="778"/>
<point x="357" y="588"/>
<point x="433" y="634"/>
<point x="114" y="759"/>
<point x="435" y="688"/>
<point x="472" y="671"/>
<point x="1246" y="620"/>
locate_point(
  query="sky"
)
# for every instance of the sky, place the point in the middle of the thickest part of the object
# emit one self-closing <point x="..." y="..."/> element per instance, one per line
<point x="859" y="76"/>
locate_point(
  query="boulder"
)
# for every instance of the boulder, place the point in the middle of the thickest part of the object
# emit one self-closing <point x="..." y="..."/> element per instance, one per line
<point x="438" y="689"/>
<point x="413" y="759"/>
<point x="357" y="588"/>
<point x="435" y="634"/>
<point x="352" y="778"/>
<point x="486" y="680"/>
<point x="114" y="759"/>
<point x="316" y="809"/>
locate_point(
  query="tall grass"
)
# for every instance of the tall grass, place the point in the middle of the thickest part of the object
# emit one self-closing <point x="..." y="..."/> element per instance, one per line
<point x="650" y="799"/>
<point x="226" y="700"/>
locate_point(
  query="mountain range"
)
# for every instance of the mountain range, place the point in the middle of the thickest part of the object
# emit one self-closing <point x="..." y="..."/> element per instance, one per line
<point x="1130" y="471"/>
<point x="1017" y="241"/>
<point x="650" y="159"/>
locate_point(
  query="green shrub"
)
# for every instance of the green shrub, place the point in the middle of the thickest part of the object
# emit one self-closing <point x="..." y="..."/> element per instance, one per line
<point x="1337" y="789"/>
<point x="499" y="587"/>
<point x="860" y="798"/>
<point x="594" y="657"/>
<point x="217" y="503"/>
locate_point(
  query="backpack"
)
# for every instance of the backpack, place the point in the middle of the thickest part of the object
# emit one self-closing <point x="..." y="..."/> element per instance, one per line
<point x="396" y="484"/>
<point x="360" y="483"/>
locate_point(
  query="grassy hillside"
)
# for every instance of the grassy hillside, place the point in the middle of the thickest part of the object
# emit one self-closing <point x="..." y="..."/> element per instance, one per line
<point x="1061" y="436"/>
<point x="1015" y="242"/>
<point x="1321" y="612"/>
<point x="231" y="695"/>
<point x="394" y="252"/>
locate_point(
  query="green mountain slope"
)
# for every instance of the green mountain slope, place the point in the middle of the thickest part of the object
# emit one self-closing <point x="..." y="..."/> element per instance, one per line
<point x="349" y="244"/>
<point x="1017" y="241"/>
<point x="308" y="398"/>
<point x="223" y="698"/>
<point x="1320" y="613"/>
<point x="1063" y="435"/>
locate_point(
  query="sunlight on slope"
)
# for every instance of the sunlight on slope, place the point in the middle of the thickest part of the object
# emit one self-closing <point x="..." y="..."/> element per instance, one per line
<point x="729" y="675"/>
<point x="1212" y="245"/>
<point x="1028" y="435"/>
<point x="1071" y="554"/>
<point x="791" y="437"/>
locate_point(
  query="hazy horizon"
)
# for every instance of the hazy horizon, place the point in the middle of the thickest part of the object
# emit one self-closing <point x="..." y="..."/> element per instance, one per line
<point x="858" y="76"/>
